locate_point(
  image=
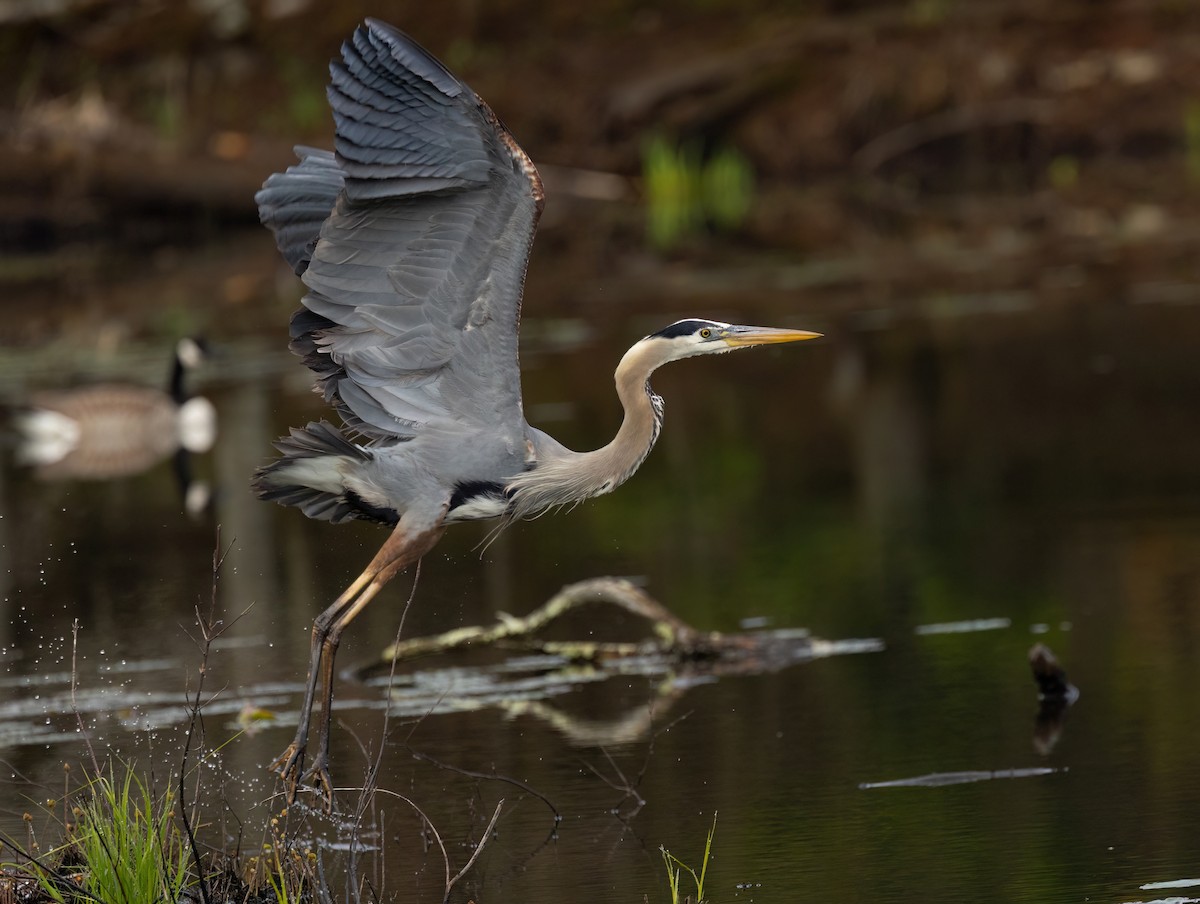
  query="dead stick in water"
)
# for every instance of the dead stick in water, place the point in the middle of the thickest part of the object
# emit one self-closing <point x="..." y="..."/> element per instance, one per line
<point x="672" y="632"/>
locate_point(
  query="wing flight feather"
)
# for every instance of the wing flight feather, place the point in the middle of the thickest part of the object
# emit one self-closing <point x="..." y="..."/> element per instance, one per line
<point x="415" y="268"/>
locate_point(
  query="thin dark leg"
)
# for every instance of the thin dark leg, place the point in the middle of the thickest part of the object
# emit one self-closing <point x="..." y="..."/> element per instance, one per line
<point x="290" y="763"/>
<point x="397" y="553"/>
<point x="317" y="773"/>
<point x="406" y="554"/>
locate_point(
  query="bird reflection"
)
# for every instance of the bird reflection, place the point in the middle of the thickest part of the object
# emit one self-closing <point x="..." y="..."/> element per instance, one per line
<point x="884" y="395"/>
<point x="108" y="430"/>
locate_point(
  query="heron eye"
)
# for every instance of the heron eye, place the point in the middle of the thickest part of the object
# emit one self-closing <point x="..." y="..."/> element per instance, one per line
<point x="705" y="333"/>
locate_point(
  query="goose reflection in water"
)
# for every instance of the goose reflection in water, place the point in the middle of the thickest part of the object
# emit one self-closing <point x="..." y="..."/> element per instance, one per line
<point x="109" y="430"/>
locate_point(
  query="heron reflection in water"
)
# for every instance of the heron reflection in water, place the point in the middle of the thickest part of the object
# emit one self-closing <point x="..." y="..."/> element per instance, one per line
<point x="412" y="240"/>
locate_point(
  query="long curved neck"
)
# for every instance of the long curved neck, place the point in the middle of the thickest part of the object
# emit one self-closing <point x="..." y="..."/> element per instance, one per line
<point x="561" y="477"/>
<point x="642" y="422"/>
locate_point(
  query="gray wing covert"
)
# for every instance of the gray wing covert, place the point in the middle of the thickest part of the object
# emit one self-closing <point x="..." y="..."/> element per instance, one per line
<point x="415" y="279"/>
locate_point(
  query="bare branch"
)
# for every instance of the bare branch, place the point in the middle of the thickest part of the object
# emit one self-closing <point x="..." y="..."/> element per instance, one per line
<point x="487" y="834"/>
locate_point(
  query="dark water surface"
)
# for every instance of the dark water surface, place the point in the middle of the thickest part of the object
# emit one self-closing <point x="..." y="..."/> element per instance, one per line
<point x="1031" y="473"/>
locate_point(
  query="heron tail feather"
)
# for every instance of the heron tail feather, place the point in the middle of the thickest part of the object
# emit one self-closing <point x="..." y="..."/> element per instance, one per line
<point x="310" y="473"/>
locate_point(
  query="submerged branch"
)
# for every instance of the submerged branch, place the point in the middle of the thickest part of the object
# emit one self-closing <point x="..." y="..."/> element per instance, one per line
<point x="672" y="635"/>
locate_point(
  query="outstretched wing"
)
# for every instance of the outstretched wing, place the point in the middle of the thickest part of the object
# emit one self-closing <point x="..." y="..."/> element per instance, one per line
<point x="415" y="277"/>
<point x="295" y="203"/>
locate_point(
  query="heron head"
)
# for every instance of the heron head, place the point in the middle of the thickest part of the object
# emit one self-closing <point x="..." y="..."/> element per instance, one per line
<point x="686" y="338"/>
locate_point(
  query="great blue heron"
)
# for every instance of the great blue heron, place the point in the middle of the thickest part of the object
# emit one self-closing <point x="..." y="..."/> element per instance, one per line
<point x="412" y="240"/>
<point x="107" y="430"/>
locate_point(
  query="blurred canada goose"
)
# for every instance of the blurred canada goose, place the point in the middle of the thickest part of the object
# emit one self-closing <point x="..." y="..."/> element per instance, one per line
<point x="115" y="429"/>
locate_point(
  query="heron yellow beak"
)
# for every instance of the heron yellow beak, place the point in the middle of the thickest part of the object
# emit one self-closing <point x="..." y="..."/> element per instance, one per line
<point x="744" y="336"/>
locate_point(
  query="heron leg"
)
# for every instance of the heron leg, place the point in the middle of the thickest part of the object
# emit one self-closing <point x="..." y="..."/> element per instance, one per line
<point x="318" y="772"/>
<point x="408" y="549"/>
<point x="400" y="550"/>
<point x="290" y="763"/>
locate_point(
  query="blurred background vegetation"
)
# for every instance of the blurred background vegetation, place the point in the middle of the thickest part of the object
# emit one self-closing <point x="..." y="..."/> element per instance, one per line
<point x="968" y="127"/>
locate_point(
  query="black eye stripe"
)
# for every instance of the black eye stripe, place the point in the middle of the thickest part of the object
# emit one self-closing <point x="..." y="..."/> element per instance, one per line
<point x="682" y="328"/>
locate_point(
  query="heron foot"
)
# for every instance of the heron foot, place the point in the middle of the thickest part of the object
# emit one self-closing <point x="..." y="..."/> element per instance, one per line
<point x="290" y="767"/>
<point x="318" y="776"/>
